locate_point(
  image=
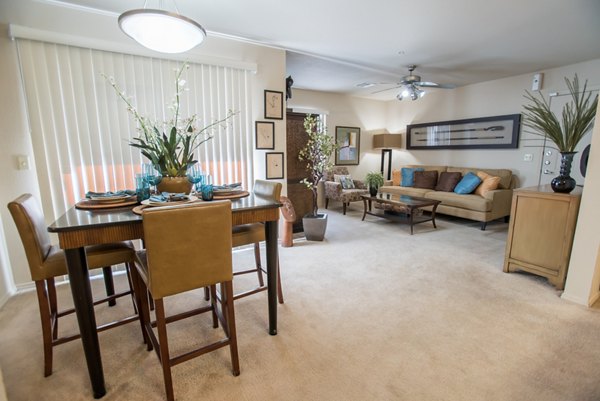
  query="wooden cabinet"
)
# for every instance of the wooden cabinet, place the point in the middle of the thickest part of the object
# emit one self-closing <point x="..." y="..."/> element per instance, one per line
<point x="540" y="233"/>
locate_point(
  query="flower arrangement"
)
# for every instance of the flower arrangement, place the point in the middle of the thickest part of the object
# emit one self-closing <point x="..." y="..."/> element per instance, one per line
<point x="317" y="154"/>
<point x="170" y="145"/>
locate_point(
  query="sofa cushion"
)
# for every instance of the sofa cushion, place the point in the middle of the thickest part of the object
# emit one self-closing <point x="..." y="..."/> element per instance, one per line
<point x="470" y="202"/>
<point x="439" y="169"/>
<point x="408" y="176"/>
<point x="425" y="179"/>
<point x="467" y="184"/>
<point x="396" y="177"/>
<point x="447" y="181"/>
<point x="504" y="174"/>
<point x="488" y="183"/>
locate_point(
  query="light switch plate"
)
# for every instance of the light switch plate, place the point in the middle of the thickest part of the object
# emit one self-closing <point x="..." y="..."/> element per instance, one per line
<point x="528" y="157"/>
<point x="23" y="162"/>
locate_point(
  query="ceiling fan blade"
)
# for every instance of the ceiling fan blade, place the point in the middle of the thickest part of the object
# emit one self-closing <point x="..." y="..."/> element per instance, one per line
<point x="425" y="84"/>
<point x="387" y="89"/>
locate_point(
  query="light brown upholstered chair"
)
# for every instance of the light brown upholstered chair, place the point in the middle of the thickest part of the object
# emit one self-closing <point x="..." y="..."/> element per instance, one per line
<point x="335" y="191"/>
<point x="254" y="233"/>
<point x="187" y="247"/>
<point x="47" y="261"/>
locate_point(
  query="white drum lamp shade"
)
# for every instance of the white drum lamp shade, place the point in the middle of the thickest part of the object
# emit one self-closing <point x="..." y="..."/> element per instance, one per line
<point x="162" y="31"/>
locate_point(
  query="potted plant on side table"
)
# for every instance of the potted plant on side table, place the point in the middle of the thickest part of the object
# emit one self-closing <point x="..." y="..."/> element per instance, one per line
<point x="317" y="155"/>
<point x="374" y="180"/>
<point x="577" y="119"/>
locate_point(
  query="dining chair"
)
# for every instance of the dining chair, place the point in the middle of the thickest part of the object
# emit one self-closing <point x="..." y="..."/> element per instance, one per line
<point x="254" y="233"/>
<point x="187" y="247"/>
<point x="47" y="261"/>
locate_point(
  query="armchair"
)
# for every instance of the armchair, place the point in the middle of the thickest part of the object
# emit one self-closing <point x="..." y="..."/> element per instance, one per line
<point x="334" y="189"/>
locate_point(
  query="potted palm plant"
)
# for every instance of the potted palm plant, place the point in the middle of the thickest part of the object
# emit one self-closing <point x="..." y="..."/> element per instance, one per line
<point x="170" y="145"/>
<point x="374" y="180"/>
<point x="317" y="155"/>
<point x="577" y="119"/>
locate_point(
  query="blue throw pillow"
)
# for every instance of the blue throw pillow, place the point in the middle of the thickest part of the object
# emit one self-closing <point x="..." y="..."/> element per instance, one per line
<point x="468" y="184"/>
<point x="408" y="176"/>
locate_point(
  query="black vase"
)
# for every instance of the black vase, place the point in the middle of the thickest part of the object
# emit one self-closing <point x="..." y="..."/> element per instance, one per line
<point x="564" y="183"/>
<point x="373" y="191"/>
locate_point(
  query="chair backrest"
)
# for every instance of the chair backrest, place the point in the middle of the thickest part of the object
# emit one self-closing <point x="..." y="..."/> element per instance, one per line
<point x="187" y="246"/>
<point x="29" y="219"/>
<point x="337" y="170"/>
<point x="267" y="189"/>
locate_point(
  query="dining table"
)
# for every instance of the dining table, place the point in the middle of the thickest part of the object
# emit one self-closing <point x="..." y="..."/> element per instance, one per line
<point x="78" y="228"/>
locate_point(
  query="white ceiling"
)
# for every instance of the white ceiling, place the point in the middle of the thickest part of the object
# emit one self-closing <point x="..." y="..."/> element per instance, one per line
<point x="333" y="45"/>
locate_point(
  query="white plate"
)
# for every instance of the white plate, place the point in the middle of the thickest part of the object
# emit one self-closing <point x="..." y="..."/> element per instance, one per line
<point x="114" y="198"/>
<point x="190" y="198"/>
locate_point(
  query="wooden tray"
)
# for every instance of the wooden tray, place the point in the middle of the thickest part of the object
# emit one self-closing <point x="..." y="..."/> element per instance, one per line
<point x="91" y="205"/>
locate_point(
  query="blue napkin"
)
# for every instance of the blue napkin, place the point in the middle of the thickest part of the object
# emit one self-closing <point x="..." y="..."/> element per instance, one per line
<point x="168" y="197"/>
<point x="125" y="192"/>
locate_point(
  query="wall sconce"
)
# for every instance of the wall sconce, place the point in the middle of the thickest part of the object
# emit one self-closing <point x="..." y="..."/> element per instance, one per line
<point x="387" y="142"/>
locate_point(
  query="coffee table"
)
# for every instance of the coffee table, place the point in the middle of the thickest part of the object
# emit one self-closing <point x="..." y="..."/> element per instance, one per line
<point x="402" y="208"/>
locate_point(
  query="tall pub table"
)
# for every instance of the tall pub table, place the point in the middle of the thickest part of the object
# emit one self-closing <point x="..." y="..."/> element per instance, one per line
<point x="79" y="228"/>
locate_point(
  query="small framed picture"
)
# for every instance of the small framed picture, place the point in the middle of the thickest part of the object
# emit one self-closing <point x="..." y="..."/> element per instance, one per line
<point x="274" y="163"/>
<point x="273" y="105"/>
<point x="348" y="141"/>
<point x="265" y="134"/>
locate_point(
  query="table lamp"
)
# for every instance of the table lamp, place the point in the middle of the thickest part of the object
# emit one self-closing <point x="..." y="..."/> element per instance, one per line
<point x="387" y="142"/>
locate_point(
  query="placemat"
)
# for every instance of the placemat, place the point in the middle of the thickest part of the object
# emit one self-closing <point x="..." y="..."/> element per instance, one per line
<point x="91" y="205"/>
<point x="237" y="195"/>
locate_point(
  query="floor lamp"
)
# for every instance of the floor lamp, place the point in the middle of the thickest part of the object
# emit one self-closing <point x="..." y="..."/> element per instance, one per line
<point x="387" y="142"/>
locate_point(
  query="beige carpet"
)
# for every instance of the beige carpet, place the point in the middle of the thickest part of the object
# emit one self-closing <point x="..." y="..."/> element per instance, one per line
<point x="371" y="313"/>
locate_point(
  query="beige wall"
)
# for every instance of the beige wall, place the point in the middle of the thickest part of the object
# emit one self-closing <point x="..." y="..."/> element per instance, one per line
<point x="103" y="30"/>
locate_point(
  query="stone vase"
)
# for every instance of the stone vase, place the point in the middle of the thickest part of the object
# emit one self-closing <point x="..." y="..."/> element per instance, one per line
<point x="564" y="183"/>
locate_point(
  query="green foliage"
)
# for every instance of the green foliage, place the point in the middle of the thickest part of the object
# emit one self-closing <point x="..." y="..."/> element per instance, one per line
<point x="374" y="179"/>
<point x="170" y="145"/>
<point x="577" y="116"/>
<point x="317" y="155"/>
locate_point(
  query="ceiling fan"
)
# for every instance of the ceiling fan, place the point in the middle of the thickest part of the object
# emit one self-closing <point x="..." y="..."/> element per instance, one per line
<point x="411" y="86"/>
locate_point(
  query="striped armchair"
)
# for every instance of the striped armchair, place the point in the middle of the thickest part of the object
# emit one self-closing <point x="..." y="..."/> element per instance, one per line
<point x="335" y="191"/>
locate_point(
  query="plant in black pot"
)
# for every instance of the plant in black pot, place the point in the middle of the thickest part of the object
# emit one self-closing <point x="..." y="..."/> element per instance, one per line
<point x="576" y="120"/>
<point x="317" y="155"/>
<point x="374" y="180"/>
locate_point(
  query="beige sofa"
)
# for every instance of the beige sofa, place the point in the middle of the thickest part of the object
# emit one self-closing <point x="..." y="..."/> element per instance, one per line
<point x="494" y="205"/>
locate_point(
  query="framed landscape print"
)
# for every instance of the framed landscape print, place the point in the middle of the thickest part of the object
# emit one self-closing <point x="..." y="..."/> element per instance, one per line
<point x="274" y="163"/>
<point x="273" y="105"/>
<point x="348" y="141"/>
<point x="497" y="132"/>
<point x="265" y="134"/>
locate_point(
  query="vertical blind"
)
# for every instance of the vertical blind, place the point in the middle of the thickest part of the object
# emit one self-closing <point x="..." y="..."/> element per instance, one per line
<point x="81" y="130"/>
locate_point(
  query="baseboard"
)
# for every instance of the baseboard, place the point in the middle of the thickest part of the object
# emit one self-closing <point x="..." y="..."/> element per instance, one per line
<point x="6" y="297"/>
<point x="30" y="286"/>
<point x="577" y="300"/>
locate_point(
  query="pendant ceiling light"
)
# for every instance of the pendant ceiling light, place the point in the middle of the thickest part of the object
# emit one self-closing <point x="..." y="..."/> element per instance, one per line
<point x="410" y="91"/>
<point x="161" y="30"/>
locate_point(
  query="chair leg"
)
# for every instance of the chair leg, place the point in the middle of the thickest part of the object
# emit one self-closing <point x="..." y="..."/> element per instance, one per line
<point x="206" y="294"/>
<point x="229" y="312"/>
<point x="51" y="288"/>
<point x="258" y="264"/>
<point x="161" y="327"/>
<point x="483" y="224"/>
<point x="128" y="268"/>
<point x="344" y="208"/>
<point x="139" y="290"/>
<point x="109" y="284"/>
<point x="326" y="202"/>
<point x="213" y="303"/>
<point x="43" y="303"/>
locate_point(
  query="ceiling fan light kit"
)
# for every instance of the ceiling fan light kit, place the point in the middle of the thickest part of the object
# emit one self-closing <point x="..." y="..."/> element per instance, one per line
<point x="411" y="86"/>
<point x="162" y="31"/>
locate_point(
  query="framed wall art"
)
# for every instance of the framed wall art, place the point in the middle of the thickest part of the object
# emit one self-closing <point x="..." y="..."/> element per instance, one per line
<point x="273" y="105"/>
<point x="348" y="141"/>
<point x="476" y="133"/>
<point x="274" y="165"/>
<point x="265" y="134"/>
